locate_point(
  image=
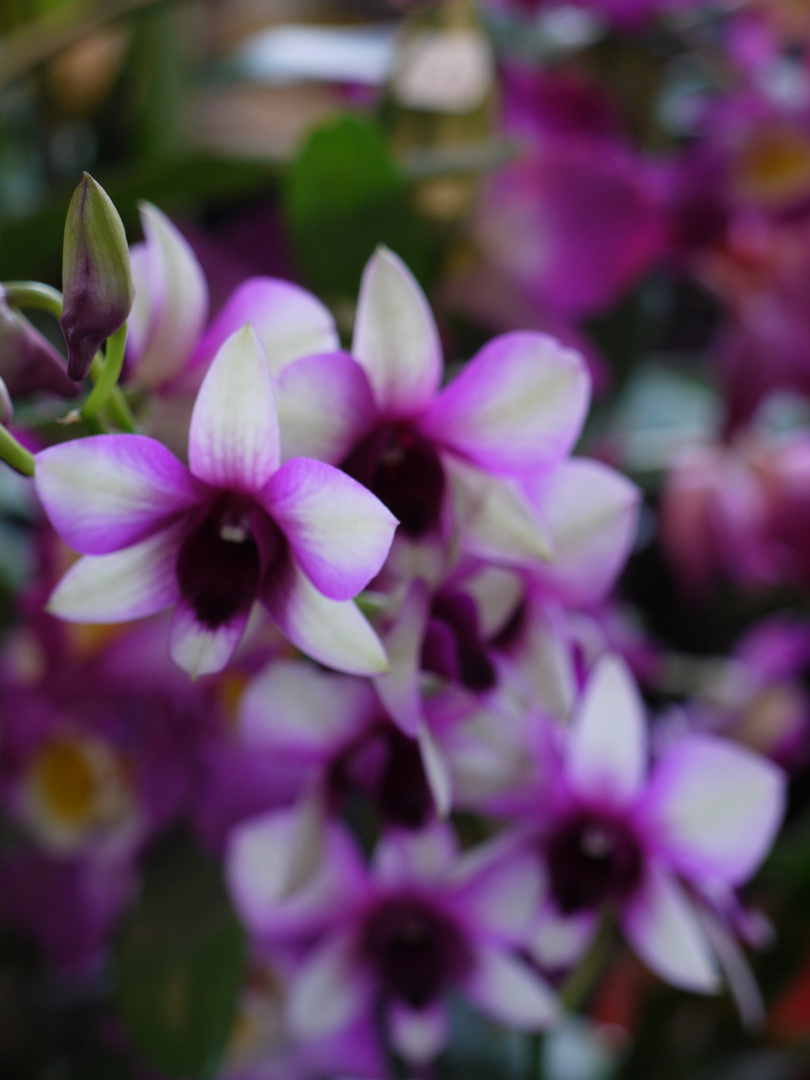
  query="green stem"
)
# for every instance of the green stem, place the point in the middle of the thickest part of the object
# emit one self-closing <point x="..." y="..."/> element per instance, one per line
<point x="14" y="454"/>
<point x="579" y="984"/>
<point x="33" y="294"/>
<point x="107" y="374"/>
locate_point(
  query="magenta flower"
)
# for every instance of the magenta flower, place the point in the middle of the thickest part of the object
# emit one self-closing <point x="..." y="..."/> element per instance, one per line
<point x="213" y="538"/>
<point x="421" y="922"/>
<point x="438" y="458"/>
<point x="662" y="849"/>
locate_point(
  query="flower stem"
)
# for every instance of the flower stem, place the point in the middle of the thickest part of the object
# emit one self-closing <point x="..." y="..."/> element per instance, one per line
<point x="106" y="375"/>
<point x="15" y="454"/>
<point x="579" y="984"/>
<point x="33" y="294"/>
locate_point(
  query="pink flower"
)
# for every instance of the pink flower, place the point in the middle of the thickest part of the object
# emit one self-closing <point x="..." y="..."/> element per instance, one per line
<point x="211" y="539"/>
<point x="659" y="847"/>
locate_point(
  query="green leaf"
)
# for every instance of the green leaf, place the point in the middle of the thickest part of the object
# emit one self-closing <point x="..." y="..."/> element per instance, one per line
<point x="178" y="963"/>
<point x="345" y="195"/>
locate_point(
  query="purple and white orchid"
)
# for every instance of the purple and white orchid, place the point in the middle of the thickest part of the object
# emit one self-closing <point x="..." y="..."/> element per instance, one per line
<point x="213" y="538"/>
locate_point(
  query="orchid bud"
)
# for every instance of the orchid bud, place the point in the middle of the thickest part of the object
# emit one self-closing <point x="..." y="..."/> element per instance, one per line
<point x="96" y="275"/>
<point x="28" y="362"/>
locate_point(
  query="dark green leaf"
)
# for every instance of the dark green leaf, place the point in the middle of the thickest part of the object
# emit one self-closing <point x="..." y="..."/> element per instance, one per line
<point x="178" y="964"/>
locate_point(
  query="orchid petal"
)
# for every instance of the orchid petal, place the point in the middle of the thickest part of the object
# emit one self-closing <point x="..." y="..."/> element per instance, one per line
<point x="418" y="1035"/>
<point x="293" y="705"/>
<point x="203" y="650"/>
<point x="340" y="533"/>
<point x="501" y="888"/>
<point x="325" y="406"/>
<point x="333" y="632"/>
<point x="663" y="928"/>
<point x="591" y="513"/>
<point x="436" y="771"/>
<point x="517" y="405"/>
<point x="330" y="989"/>
<point x="128" y="584"/>
<point x="289" y="322"/>
<point x="507" y="989"/>
<point x="171" y="301"/>
<point x="559" y="941"/>
<point x="714" y="807"/>
<point x="607" y="737"/>
<point x="495" y="518"/>
<point x="395" y="336"/>
<point x="233" y="440"/>
<point x="107" y="492"/>
<point x="399" y="688"/>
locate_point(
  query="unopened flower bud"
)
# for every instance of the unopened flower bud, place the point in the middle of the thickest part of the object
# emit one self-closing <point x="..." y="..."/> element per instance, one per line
<point x="96" y="275"/>
<point x="28" y="361"/>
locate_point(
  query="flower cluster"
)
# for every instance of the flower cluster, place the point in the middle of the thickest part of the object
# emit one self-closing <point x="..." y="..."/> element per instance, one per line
<point x="390" y="592"/>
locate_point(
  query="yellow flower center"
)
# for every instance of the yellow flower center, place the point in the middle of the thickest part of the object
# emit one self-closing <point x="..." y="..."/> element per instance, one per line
<point x="775" y="166"/>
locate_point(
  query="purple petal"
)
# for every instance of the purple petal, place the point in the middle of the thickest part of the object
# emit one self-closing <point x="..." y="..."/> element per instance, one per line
<point x="333" y="632"/>
<point x="233" y="440"/>
<point x="128" y="584"/>
<point x="395" y="337"/>
<point x="339" y="532"/>
<point x="714" y="808"/>
<point x="294" y="706"/>
<point x="289" y="322"/>
<point x="200" y="649"/>
<point x="607" y="737"/>
<point x="591" y="514"/>
<point x="663" y="928"/>
<point x="171" y="301"/>
<point x="519" y="404"/>
<point x="325" y="406"/>
<point x="506" y="988"/>
<point x="107" y="492"/>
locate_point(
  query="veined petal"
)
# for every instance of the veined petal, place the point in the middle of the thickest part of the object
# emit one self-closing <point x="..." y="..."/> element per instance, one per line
<point x="128" y="584"/>
<point x="325" y="406"/>
<point x="663" y="928"/>
<point x="591" y="513"/>
<point x="504" y="987"/>
<point x="330" y="990"/>
<point x="107" y="492"/>
<point x="495" y="518"/>
<point x="233" y="440"/>
<point x="295" y="706"/>
<point x="338" y="531"/>
<point x="333" y="632"/>
<point x="518" y="405"/>
<point x="714" y="808"/>
<point x="395" y="336"/>
<point x="171" y="301"/>
<point x="199" y="649"/>
<point x="607" y="738"/>
<point x="289" y="322"/>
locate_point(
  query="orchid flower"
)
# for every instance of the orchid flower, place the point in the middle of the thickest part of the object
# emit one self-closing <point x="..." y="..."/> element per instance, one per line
<point x="213" y="538"/>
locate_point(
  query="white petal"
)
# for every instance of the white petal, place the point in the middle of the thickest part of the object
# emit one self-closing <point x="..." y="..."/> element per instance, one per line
<point x="395" y="336"/>
<point x="507" y="989"/>
<point x="233" y="439"/>
<point x="436" y="770"/>
<point x="418" y="1035"/>
<point x="607" y="738"/>
<point x="663" y="928"/>
<point x="171" y="301"/>
<point x="129" y="584"/>
<point x="199" y="649"/>
<point x="399" y="688"/>
<point x="333" y="632"/>
<point x="329" y="991"/>
<point x="715" y="807"/>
